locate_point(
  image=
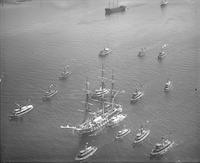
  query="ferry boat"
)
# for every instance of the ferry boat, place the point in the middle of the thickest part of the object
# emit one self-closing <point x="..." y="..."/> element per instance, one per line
<point x="114" y="121"/>
<point x="85" y="153"/>
<point x="141" y="135"/>
<point x="65" y="74"/>
<point x="136" y="96"/>
<point x="122" y="133"/>
<point x="168" y="86"/>
<point x="105" y="52"/>
<point x="50" y="93"/>
<point x="21" y="110"/>
<point x="163" y="3"/>
<point x="161" y="148"/>
<point x="142" y="52"/>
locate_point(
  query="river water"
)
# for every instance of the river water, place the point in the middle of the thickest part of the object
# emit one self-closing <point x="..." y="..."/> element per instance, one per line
<point x="39" y="38"/>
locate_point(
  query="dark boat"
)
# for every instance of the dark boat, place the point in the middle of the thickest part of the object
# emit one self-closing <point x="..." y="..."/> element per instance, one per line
<point x="161" y="148"/>
<point x="141" y="135"/>
<point x="109" y="10"/>
<point x="122" y="133"/>
<point x="85" y="153"/>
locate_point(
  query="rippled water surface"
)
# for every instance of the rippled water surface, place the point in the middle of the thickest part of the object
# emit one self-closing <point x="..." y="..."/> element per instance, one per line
<point x="38" y="38"/>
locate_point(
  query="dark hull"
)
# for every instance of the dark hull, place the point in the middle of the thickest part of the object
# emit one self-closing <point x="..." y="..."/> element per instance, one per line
<point x="109" y="11"/>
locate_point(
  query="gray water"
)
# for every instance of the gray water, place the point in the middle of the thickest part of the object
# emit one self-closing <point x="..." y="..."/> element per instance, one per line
<point x="38" y="38"/>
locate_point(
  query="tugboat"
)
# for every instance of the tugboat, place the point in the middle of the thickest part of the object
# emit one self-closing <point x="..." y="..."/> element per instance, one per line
<point x="50" y="93"/>
<point x="163" y="3"/>
<point x="105" y="52"/>
<point x="168" y="86"/>
<point x="136" y="96"/>
<point x="21" y="110"/>
<point x="86" y="152"/>
<point x="141" y="135"/>
<point x="65" y="74"/>
<point x="122" y="133"/>
<point x="161" y="148"/>
<point x="142" y="52"/>
<point x="114" y="121"/>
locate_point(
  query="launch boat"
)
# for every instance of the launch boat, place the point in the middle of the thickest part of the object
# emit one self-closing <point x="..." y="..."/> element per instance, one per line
<point x="86" y="152"/>
<point x="161" y="148"/>
<point x="141" y="135"/>
<point x="21" y="110"/>
<point x="122" y="133"/>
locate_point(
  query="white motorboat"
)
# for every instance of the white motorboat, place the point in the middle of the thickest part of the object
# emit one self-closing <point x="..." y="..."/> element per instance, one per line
<point x="141" y="135"/>
<point x="122" y="133"/>
<point x="21" y="110"/>
<point x="161" y="148"/>
<point x="85" y="153"/>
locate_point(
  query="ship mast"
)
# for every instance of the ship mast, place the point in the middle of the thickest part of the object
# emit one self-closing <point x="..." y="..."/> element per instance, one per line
<point x="87" y="95"/>
<point x="102" y="78"/>
<point x="112" y="86"/>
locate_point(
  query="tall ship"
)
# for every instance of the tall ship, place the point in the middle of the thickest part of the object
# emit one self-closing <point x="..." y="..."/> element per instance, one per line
<point x="99" y="119"/>
<point x="113" y="9"/>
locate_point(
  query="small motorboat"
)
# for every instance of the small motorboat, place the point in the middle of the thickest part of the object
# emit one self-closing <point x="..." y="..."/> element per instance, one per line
<point x="141" y="135"/>
<point x="163" y="3"/>
<point x="122" y="133"/>
<point x="114" y="121"/>
<point x="86" y="152"/>
<point x="21" y="110"/>
<point x="142" y="52"/>
<point x="161" y="148"/>
<point x="105" y="52"/>
<point x="168" y="86"/>
<point x="65" y="74"/>
<point x="50" y="93"/>
<point x="136" y="96"/>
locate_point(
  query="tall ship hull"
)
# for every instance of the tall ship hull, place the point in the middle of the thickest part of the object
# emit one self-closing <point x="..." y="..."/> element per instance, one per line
<point x="109" y="11"/>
